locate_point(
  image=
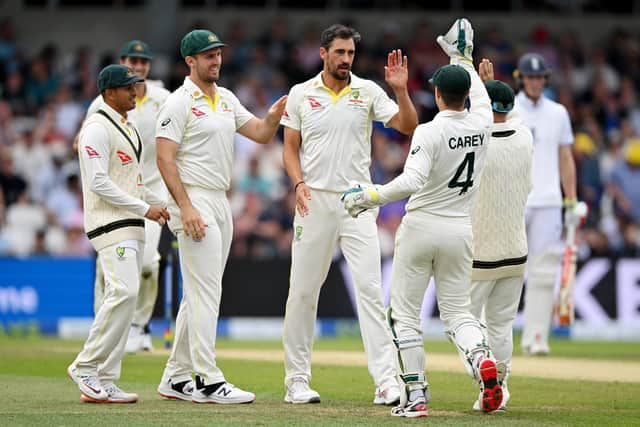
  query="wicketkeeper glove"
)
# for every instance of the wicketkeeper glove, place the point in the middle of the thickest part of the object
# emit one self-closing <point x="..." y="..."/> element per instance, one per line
<point x="359" y="198"/>
<point x="458" y="42"/>
<point x="574" y="212"/>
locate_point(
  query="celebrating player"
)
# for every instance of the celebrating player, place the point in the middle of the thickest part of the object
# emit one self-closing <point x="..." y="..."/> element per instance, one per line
<point x="136" y="55"/>
<point x="552" y="164"/>
<point x="497" y="219"/>
<point x="195" y="153"/>
<point x="110" y="151"/>
<point x="328" y="118"/>
<point x="441" y="175"/>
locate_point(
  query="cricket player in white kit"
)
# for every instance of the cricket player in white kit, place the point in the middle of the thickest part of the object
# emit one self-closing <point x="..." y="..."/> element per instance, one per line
<point x="553" y="165"/>
<point x="115" y="201"/>
<point x="328" y="118"/>
<point x="195" y="132"/>
<point x="441" y="174"/>
<point x="499" y="235"/>
<point x="137" y="55"/>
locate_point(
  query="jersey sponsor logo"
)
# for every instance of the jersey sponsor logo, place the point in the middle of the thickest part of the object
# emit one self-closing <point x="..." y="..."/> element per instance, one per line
<point x="124" y="157"/>
<point x="466" y="141"/>
<point x="314" y="104"/>
<point x="415" y="150"/>
<point x="91" y="151"/>
<point x="285" y="114"/>
<point x="196" y="112"/>
<point x="165" y="122"/>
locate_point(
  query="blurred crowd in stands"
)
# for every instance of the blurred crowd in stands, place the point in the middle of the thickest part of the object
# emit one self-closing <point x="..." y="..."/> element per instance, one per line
<point x="43" y="99"/>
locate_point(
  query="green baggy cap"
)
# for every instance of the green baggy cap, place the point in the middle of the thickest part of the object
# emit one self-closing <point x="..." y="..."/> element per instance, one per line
<point x="501" y="96"/>
<point x="116" y="75"/>
<point x="198" y="41"/>
<point x="451" y="79"/>
<point x="136" y="49"/>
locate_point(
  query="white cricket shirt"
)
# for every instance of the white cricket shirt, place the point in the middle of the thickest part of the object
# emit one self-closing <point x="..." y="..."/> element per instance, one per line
<point x="204" y="129"/>
<point x="145" y="116"/>
<point x="336" y="129"/>
<point x="550" y="125"/>
<point x="444" y="166"/>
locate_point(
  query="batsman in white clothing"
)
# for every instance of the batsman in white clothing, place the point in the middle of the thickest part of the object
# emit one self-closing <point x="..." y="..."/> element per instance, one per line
<point x="553" y="165"/>
<point x="115" y="201"/>
<point x="137" y="55"/>
<point x="498" y="224"/>
<point x="441" y="174"/>
<point x="195" y="132"/>
<point x="328" y="120"/>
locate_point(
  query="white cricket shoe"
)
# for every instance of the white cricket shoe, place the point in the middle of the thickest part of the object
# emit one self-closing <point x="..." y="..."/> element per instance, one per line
<point x="134" y="340"/>
<point x="179" y="391"/>
<point x="477" y="405"/>
<point x="388" y="396"/>
<point x="89" y="386"/>
<point x="226" y="394"/>
<point x="413" y="409"/>
<point x="147" y="344"/>
<point x="298" y="391"/>
<point x="490" y="387"/>
<point x="116" y="395"/>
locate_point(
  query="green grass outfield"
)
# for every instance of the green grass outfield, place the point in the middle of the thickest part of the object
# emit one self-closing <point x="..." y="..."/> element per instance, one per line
<point x="36" y="391"/>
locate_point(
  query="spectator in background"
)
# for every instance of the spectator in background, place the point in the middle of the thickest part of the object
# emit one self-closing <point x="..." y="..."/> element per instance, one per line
<point x="12" y="184"/>
<point x="40" y="85"/>
<point x="624" y="185"/>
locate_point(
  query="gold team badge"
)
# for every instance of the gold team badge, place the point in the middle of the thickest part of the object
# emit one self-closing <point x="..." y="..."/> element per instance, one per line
<point x="212" y="38"/>
<point x="298" y="233"/>
<point x="138" y="48"/>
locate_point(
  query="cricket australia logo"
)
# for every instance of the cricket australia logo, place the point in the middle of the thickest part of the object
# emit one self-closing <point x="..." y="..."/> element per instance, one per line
<point x="120" y="252"/>
<point x="298" y="235"/>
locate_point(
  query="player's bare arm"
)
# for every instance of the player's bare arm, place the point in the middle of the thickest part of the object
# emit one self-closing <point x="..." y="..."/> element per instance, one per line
<point x="263" y="130"/>
<point x="396" y="74"/>
<point x="192" y="222"/>
<point x="291" y="160"/>
<point x="567" y="172"/>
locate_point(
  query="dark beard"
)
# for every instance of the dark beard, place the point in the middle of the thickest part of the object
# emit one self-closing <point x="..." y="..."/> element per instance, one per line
<point x="337" y="76"/>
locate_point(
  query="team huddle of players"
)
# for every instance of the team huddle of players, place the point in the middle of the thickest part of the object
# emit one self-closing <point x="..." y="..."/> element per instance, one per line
<point x="145" y="153"/>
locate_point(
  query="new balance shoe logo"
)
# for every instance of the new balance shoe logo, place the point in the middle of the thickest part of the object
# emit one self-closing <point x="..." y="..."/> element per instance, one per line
<point x="223" y="391"/>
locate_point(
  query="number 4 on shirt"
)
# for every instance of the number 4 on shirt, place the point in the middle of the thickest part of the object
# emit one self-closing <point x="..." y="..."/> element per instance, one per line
<point x="467" y="163"/>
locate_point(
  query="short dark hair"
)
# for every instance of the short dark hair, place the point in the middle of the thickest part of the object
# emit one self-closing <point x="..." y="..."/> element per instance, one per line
<point x="453" y="100"/>
<point x="338" y="31"/>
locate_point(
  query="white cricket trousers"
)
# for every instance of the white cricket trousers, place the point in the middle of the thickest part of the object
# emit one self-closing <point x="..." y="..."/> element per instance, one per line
<point x="148" y="291"/>
<point x="314" y="241"/>
<point x="495" y="302"/>
<point x="544" y="230"/>
<point x="102" y="352"/>
<point x="430" y="245"/>
<point x="202" y="264"/>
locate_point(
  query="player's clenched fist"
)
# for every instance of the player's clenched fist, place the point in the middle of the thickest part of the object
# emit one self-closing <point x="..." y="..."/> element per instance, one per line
<point x="158" y="214"/>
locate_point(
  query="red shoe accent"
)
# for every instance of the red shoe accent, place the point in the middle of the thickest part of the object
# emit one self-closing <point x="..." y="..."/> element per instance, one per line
<point x="491" y="388"/>
<point x="88" y="399"/>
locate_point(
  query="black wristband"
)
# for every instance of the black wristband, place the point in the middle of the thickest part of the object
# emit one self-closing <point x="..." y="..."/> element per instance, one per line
<point x="295" y="188"/>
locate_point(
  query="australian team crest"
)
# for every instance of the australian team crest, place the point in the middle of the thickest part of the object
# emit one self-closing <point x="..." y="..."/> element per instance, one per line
<point x="120" y="252"/>
<point x="298" y="235"/>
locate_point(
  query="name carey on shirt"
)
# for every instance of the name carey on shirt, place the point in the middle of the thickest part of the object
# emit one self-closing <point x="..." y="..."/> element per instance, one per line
<point x="466" y="141"/>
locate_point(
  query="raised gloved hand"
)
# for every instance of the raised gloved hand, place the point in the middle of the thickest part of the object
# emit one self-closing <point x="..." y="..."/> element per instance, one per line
<point x="458" y="42"/>
<point x="359" y="198"/>
<point x="574" y="212"/>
